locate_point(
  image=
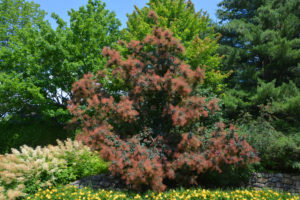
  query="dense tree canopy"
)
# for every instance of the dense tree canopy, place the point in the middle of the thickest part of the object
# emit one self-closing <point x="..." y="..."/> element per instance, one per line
<point x="261" y="39"/>
<point x="192" y="28"/>
<point x="39" y="65"/>
<point x="91" y="28"/>
<point x="22" y="31"/>
<point x="261" y="43"/>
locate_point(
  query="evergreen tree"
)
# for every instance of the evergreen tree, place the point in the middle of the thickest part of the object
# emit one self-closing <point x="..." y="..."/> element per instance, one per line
<point x="261" y="43"/>
<point x="261" y="39"/>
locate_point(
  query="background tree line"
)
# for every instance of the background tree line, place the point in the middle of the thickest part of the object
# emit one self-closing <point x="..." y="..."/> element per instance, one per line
<point x="251" y="58"/>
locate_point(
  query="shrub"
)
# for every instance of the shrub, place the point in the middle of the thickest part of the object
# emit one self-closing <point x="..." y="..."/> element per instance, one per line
<point x="30" y="130"/>
<point x="150" y="128"/>
<point x="277" y="151"/>
<point x="284" y="154"/>
<point x="25" y="171"/>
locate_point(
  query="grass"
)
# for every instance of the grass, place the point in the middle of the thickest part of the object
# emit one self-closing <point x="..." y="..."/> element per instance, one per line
<point x="71" y="192"/>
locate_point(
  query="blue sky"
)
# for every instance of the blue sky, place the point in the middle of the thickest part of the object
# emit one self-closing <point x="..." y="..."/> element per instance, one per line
<point x="120" y="7"/>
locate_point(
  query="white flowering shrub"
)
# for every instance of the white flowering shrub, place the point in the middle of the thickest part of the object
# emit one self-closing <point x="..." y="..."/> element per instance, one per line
<point x="26" y="170"/>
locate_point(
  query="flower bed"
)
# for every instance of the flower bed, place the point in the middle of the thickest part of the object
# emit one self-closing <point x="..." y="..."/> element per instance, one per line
<point x="71" y="192"/>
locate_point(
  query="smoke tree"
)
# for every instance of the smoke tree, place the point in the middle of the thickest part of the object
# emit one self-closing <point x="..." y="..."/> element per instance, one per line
<point x="149" y="128"/>
<point x="193" y="28"/>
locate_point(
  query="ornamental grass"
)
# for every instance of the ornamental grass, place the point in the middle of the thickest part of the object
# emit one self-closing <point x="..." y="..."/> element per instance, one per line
<point x="26" y="170"/>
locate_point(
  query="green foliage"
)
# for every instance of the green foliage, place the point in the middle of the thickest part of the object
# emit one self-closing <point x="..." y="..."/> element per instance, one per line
<point x="281" y="102"/>
<point x="269" y="118"/>
<point x="277" y="151"/>
<point x="193" y="29"/>
<point x="232" y="177"/>
<point x="260" y="39"/>
<point x="284" y="154"/>
<point x="22" y="33"/>
<point x="26" y="170"/>
<point x="92" y="27"/>
<point x="15" y="92"/>
<point x="235" y="103"/>
<point x="80" y="166"/>
<point x="31" y="131"/>
<point x="266" y="92"/>
<point x="39" y="65"/>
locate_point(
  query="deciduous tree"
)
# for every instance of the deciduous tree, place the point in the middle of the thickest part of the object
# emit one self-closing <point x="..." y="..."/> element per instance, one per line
<point x="149" y="130"/>
<point x="39" y="65"/>
<point x="193" y="28"/>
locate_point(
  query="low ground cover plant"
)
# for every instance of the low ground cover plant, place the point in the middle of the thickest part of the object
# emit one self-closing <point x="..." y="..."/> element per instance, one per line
<point x="26" y="170"/>
<point x="71" y="193"/>
<point x="145" y="116"/>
